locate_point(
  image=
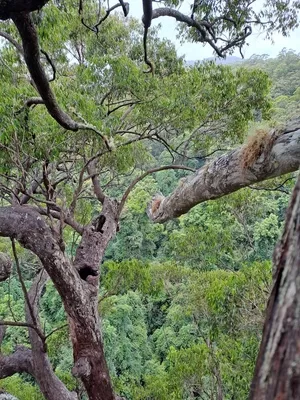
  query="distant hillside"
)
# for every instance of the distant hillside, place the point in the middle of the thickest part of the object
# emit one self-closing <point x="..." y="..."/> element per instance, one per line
<point x="224" y="61"/>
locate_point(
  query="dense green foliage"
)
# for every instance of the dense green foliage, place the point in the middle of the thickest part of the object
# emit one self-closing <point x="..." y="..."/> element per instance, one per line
<point x="182" y="304"/>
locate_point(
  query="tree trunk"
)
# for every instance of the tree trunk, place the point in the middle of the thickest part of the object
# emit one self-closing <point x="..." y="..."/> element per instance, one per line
<point x="76" y="283"/>
<point x="266" y="156"/>
<point x="277" y="372"/>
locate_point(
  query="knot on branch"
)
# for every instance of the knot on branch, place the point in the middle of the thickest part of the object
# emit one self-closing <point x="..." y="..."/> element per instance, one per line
<point x="82" y="368"/>
<point x="154" y="206"/>
<point x="5" y="267"/>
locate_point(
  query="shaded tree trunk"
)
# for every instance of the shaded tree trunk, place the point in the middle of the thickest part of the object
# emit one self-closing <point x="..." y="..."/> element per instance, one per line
<point x="277" y="372"/>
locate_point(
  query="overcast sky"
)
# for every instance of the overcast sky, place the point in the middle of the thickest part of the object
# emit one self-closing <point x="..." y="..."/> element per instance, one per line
<point x="196" y="51"/>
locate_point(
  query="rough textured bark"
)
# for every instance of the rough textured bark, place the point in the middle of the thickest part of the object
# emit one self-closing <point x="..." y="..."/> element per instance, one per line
<point x="89" y="361"/>
<point x="17" y="362"/>
<point x="277" y="373"/>
<point x="77" y="284"/>
<point x="9" y="7"/>
<point x="5" y="266"/>
<point x="277" y="155"/>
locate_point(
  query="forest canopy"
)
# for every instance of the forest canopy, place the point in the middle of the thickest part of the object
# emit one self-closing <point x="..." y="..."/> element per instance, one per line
<point x="97" y="301"/>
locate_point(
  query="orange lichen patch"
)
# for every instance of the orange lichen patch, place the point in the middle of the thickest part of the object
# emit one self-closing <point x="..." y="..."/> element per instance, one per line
<point x="155" y="204"/>
<point x="255" y="146"/>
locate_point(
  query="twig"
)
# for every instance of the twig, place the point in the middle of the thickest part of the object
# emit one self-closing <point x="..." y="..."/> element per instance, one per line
<point x="150" y="171"/>
<point x="51" y="63"/>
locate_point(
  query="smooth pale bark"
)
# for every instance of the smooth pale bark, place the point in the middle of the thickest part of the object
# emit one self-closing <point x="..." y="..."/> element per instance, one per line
<point x="277" y="373"/>
<point x="227" y="174"/>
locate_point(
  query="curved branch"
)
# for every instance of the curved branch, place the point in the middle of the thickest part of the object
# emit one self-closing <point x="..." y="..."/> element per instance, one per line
<point x="12" y="41"/>
<point x="31" y="49"/>
<point x="150" y="171"/>
<point x="51" y="64"/>
<point x="125" y="7"/>
<point x="201" y="26"/>
<point x="32" y="101"/>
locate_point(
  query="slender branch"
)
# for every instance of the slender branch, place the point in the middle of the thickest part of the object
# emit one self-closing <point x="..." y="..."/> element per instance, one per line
<point x="12" y="41"/>
<point x="66" y="218"/>
<point x="17" y="323"/>
<point x="29" y="305"/>
<point x="150" y="171"/>
<point x="96" y="183"/>
<point x="21" y="281"/>
<point x="51" y="63"/>
<point x="125" y="7"/>
<point x="2" y="334"/>
<point x="55" y="330"/>
<point x="279" y="187"/>
<point x="200" y="26"/>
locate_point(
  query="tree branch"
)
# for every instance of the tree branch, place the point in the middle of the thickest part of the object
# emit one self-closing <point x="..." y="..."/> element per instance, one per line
<point x="12" y="41"/>
<point x="201" y="26"/>
<point x="31" y="50"/>
<point x="96" y="183"/>
<point x="150" y="171"/>
<point x="278" y="153"/>
<point x="17" y="362"/>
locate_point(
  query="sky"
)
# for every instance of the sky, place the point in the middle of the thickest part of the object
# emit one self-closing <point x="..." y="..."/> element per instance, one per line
<point x="196" y="51"/>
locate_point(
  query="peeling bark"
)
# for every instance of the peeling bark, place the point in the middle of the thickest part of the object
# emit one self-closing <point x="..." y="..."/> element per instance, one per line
<point x="227" y="174"/>
<point x="277" y="373"/>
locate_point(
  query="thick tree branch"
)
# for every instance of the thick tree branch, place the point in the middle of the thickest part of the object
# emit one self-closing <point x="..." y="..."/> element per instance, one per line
<point x="277" y="154"/>
<point x="26" y="28"/>
<point x="17" y="362"/>
<point x="10" y="7"/>
<point x="27" y="226"/>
